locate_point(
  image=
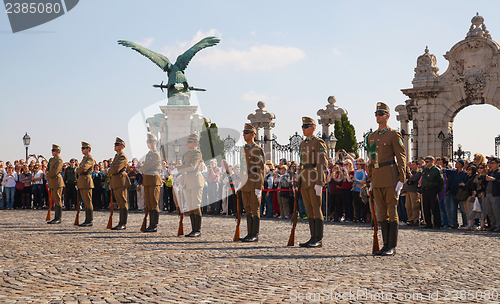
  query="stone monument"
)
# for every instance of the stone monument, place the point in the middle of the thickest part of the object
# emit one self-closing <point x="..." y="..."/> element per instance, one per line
<point x="329" y="115"/>
<point x="262" y="119"/>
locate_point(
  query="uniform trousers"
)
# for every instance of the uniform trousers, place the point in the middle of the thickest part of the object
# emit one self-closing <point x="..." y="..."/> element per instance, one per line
<point x="121" y="197"/>
<point x="387" y="204"/>
<point x="251" y="203"/>
<point x="312" y="203"/>
<point x="192" y="200"/>
<point x="152" y="196"/>
<point x="86" y="195"/>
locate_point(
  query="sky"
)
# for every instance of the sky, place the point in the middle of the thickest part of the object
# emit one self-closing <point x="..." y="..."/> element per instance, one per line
<point x="68" y="80"/>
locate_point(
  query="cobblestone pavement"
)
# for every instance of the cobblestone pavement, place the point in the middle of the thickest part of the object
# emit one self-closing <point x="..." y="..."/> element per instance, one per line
<point x="42" y="263"/>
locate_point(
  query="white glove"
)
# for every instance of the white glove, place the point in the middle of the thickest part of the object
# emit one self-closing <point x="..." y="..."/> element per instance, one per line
<point x="399" y="186"/>
<point x="318" y="189"/>
<point x="238" y="187"/>
<point x="174" y="172"/>
<point x="258" y="193"/>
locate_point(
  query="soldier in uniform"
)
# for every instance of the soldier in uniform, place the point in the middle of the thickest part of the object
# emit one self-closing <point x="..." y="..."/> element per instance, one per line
<point x="252" y="180"/>
<point x="311" y="179"/>
<point x="385" y="175"/>
<point x="151" y="180"/>
<point x="56" y="183"/>
<point x="192" y="182"/>
<point x="119" y="182"/>
<point x="85" y="183"/>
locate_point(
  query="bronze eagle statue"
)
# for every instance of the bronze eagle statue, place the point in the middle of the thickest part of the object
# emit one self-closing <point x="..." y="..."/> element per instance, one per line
<point x="175" y="72"/>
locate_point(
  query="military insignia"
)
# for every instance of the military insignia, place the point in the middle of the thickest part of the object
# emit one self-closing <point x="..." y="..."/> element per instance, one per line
<point x="321" y="149"/>
<point x="400" y="142"/>
<point x="260" y="156"/>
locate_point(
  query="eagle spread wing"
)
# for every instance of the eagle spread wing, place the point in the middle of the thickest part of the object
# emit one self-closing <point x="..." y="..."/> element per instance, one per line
<point x="158" y="59"/>
<point x="183" y="60"/>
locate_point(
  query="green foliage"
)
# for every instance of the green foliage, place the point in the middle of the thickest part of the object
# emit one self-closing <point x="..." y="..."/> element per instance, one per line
<point x="211" y="145"/>
<point x="346" y="135"/>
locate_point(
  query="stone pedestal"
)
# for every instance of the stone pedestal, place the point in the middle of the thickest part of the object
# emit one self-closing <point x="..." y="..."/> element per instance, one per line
<point x="329" y="115"/>
<point x="177" y="126"/>
<point x="263" y="119"/>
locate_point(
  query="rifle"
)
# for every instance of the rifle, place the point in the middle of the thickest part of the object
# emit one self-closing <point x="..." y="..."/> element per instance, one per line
<point x="291" y="239"/>
<point x="110" y="220"/>
<point x="375" y="224"/>
<point x="180" y="231"/>
<point x="238" y="219"/>
<point x="51" y="204"/>
<point x="145" y="220"/>
<point x="77" y="218"/>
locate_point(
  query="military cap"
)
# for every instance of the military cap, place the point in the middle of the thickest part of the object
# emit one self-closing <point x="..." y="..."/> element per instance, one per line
<point x="56" y="147"/>
<point x="151" y="137"/>
<point x="308" y="121"/>
<point x="192" y="137"/>
<point x="249" y="127"/>
<point x="382" y="107"/>
<point x="119" y="141"/>
<point x="86" y="145"/>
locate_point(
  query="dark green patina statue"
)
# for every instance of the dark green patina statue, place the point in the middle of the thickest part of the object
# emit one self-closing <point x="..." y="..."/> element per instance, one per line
<point x="175" y="72"/>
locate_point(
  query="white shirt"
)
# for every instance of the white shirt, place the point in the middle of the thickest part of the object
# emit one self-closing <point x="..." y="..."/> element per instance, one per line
<point x="11" y="180"/>
<point x="38" y="175"/>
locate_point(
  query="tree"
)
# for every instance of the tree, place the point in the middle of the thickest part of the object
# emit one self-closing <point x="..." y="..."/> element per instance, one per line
<point x="211" y="145"/>
<point x="346" y="135"/>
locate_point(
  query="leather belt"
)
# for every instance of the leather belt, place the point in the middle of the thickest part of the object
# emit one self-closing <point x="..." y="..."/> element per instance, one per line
<point x="309" y="166"/>
<point x="389" y="163"/>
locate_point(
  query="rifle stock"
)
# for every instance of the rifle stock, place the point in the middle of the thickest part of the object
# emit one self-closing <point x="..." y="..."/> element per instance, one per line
<point x="291" y="239"/>
<point x="77" y="218"/>
<point x="236" y="237"/>
<point x="51" y="203"/>
<point x="145" y="219"/>
<point x="111" y="207"/>
<point x="180" y="230"/>
<point x="375" y="247"/>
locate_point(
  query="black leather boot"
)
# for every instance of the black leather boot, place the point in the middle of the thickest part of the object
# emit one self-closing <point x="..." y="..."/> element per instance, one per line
<point x="384" y="226"/>
<point x="57" y="217"/>
<point x="249" y="229"/>
<point x="311" y="229"/>
<point x="196" y="220"/>
<point x="318" y="234"/>
<point x="122" y="224"/>
<point x="153" y="221"/>
<point x="193" y="225"/>
<point x="89" y="217"/>
<point x="393" y="239"/>
<point x="254" y="237"/>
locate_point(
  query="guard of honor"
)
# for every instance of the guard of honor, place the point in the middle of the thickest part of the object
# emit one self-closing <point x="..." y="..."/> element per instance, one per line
<point x="85" y="183"/>
<point x="311" y="179"/>
<point x="385" y="174"/>
<point x="151" y="181"/>
<point x="192" y="183"/>
<point x="252" y="180"/>
<point x="119" y="182"/>
<point x="56" y="183"/>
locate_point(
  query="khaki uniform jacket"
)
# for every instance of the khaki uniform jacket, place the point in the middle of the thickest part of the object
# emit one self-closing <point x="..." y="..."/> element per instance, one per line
<point x="119" y="177"/>
<point x="313" y="162"/>
<point x="190" y="169"/>
<point x="389" y="147"/>
<point x="54" y="176"/>
<point x="85" y="173"/>
<point x="252" y="168"/>
<point x="151" y="169"/>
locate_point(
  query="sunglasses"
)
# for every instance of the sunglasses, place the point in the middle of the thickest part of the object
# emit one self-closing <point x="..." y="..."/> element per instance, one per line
<point x="428" y="161"/>
<point x="480" y="167"/>
<point x="305" y="126"/>
<point x="83" y="148"/>
<point x="117" y="144"/>
<point x="54" y="150"/>
<point x="247" y="132"/>
<point x="380" y="113"/>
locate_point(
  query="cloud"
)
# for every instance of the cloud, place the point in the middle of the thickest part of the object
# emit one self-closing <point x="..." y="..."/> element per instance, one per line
<point x="253" y="96"/>
<point x="178" y="48"/>
<point x="147" y="42"/>
<point x="336" y="52"/>
<point x="257" y="58"/>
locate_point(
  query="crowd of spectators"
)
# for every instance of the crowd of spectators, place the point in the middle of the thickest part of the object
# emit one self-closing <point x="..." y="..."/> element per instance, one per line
<point x="435" y="195"/>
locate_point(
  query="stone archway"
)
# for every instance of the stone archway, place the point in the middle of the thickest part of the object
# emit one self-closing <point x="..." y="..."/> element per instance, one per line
<point x="472" y="78"/>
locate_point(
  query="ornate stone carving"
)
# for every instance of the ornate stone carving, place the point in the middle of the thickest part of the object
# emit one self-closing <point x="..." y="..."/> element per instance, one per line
<point x="478" y="28"/>
<point x="426" y="71"/>
<point x="474" y="85"/>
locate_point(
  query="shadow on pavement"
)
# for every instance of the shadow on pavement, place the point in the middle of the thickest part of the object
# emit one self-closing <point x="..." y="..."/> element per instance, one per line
<point x="282" y="257"/>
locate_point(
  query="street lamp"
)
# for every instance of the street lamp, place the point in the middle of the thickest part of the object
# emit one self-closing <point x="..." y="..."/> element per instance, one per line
<point x="26" y="141"/>
<point x="177" y="148"/>
<point x="331" y="142"/>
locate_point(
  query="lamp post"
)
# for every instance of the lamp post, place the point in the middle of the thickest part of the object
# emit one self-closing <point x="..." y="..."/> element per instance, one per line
<point x="331" y="142"/>
<point x="177" y="148"/>
<point x="459" y="153"/>
<point x="26" y="141"/>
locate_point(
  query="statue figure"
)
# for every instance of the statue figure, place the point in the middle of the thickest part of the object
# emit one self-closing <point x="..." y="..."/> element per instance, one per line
<point x="175" y="72"/>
